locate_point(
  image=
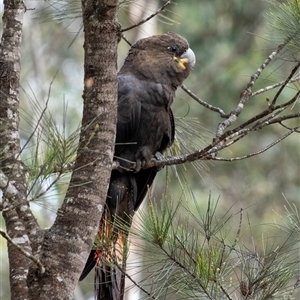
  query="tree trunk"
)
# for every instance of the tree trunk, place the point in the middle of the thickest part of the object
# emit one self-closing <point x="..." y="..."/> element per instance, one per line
<point x="63" y="249"/>
<point x="69" y="241"/>
<point x="19" y="221"/>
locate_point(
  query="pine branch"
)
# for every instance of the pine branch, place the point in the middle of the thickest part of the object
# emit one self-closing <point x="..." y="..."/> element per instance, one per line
<point x="37" y="125"/>
<point x="136" y="284"/>
<point x="148" y="18"/>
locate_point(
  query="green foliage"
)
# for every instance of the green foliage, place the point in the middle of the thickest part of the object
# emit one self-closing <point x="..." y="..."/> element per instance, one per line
<point x="207" y="265"/>
<point x="156" y="222"/>
<point x="49" y="152"/>
<point x="284" y="18"/>
<point x="196" y="257"/>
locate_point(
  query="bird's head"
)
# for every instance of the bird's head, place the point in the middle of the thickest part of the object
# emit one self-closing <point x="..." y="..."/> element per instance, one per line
<point x="165" y="58"/>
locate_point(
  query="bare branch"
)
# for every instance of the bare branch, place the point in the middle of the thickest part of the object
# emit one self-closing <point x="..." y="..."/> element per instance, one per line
<point x="258" y="152"/>
<point x="226" y="140"/>
<point x="203" y="103"/>
<point x="283" y="118"/>
<point x="149" y="18"/>
<point x="264" y="113"/>
<point x="247" y="93"/>
<point x="285" y="83"/>
<point x="275" y="85"/>
<point x="28" y="255"/>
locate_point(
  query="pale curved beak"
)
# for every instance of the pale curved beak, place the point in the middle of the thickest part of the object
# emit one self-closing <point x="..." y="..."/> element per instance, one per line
<point x="190" y="55"/>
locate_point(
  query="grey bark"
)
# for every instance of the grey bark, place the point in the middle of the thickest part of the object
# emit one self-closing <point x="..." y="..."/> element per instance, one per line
<point x="19" y="221"/>
<point x="68" y="242"/>
<point x="62" y="250"/>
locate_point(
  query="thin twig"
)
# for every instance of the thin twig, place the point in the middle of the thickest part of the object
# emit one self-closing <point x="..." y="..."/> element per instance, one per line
<point x="285" y="83"/>
<point x="217" y="145"/>
<point x="274" y="86"/>
<point x="236" y="136"/>
<point x="224" y="291"/>
<point x="148" y="18"/>
<point x="134" y="282"/>
<point x="126" y="40"/>
<point x="263" y="114"/>
<point x="258" y="152"/>
<point x="184" y="268"/>
<point x="247" y="93"/>
<point x="28" y="255"/>
<point x="207" y="153"/>
<point x="283" y="118"/>
<point x="203" y="103"/>
<point x="287" y="127"/>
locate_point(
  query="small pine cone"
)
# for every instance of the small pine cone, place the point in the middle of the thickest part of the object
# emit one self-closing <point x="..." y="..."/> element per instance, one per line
<point x="245" y="288"/>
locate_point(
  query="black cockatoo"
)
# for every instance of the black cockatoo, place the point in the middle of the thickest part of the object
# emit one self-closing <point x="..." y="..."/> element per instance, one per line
<point x="147" y="82"/>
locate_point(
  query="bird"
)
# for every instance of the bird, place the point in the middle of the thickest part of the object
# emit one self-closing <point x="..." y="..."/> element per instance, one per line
<point x="152" y="71"/>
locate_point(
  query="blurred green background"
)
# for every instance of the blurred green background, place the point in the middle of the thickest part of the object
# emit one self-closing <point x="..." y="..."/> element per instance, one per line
<point x="230" y="39"/>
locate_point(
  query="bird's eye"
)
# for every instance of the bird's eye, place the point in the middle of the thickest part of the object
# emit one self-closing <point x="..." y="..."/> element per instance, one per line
<point x="173" y="48"/>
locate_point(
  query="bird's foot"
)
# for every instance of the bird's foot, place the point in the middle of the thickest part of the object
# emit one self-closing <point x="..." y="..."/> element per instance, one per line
<point x="160" y="157"/>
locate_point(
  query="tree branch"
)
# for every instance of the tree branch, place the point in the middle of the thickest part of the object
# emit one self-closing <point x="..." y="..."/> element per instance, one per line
<point x="247" y="93"/>
<point x="148" y="18"/>
<point x="203" y="103"/>
<point x="275" y="85"/>
<point x="232" y="136"/>
<point x="20" y="221"/>
<point x="285" y="83"/>
<point x="258" y="152"/>
<point x="28" y="255"/>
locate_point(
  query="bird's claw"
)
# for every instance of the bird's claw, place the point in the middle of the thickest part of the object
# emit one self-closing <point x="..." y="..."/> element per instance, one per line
<point x="160" y="157"/>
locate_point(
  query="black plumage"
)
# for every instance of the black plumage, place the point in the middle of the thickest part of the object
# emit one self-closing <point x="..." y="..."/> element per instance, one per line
<point x="147" y="82"/>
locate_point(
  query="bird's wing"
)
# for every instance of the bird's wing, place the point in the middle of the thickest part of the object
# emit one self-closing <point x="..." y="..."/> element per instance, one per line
<point x="129" y="117"/>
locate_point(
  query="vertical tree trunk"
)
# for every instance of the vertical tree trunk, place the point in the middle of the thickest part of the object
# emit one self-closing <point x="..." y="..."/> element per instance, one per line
<point x="68" y="242"/>
<point x="62" y="249"/>
<point x="18" y="218"/>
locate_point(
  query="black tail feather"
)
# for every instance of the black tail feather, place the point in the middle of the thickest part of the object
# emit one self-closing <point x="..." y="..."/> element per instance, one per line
<point x="126" y="192"/>
<point x="144" y="180"/>
<point x="107" y="286"/>
<point x="90" y="264"/>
